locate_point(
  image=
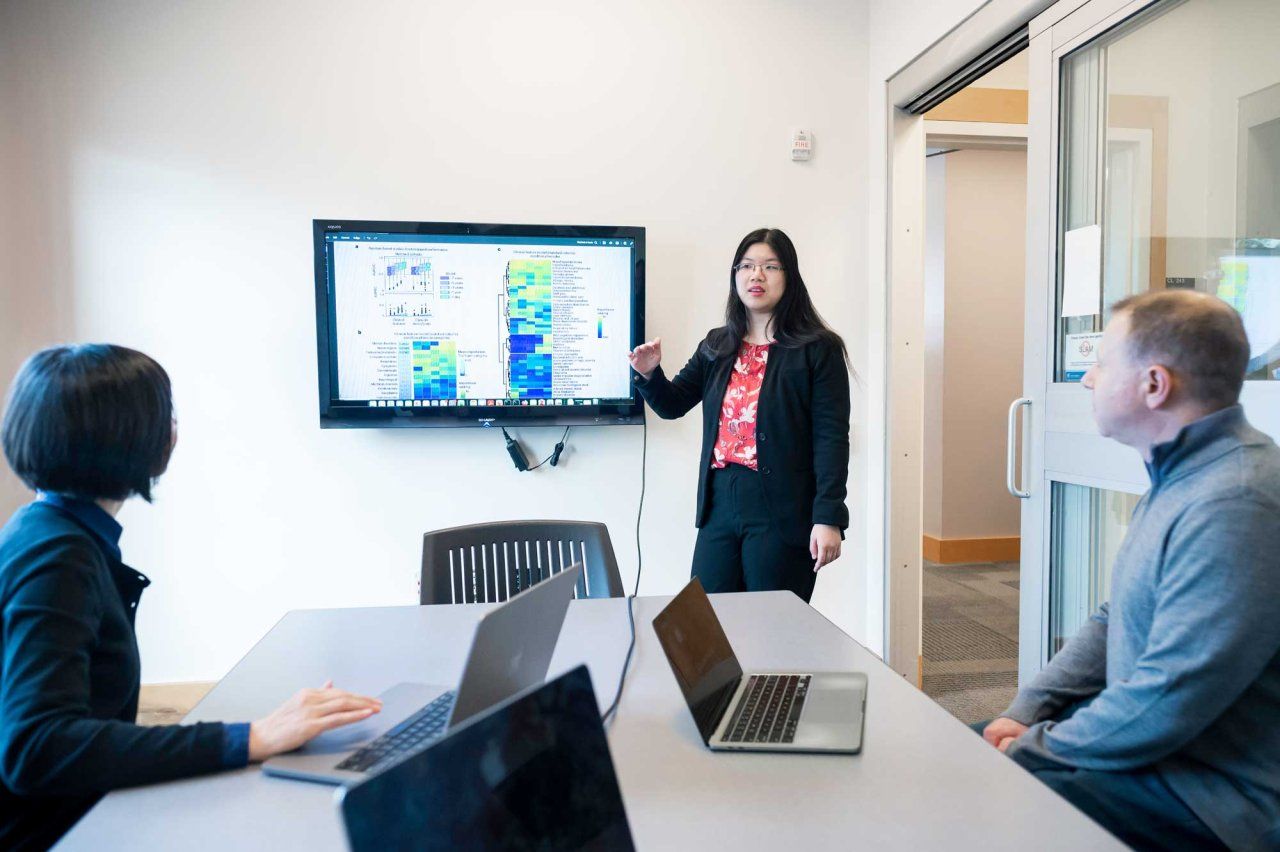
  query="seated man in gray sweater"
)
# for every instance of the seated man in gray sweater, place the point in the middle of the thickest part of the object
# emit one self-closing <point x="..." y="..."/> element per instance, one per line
<point x="1161" y="717"/>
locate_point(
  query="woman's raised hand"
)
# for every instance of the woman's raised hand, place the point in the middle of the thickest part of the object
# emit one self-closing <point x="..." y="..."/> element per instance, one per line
<point x="645" y="357"/>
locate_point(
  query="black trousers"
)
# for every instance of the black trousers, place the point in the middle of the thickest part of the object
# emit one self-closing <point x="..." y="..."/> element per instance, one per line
<point x="738" y="548"/>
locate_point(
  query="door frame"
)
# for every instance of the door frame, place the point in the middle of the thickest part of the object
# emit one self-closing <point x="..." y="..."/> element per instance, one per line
<point x="1058" y="427"/>
<point x="903" y="450"/>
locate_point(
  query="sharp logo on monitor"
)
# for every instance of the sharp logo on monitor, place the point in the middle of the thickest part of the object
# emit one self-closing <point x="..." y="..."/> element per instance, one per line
<point x="513" y="322"/>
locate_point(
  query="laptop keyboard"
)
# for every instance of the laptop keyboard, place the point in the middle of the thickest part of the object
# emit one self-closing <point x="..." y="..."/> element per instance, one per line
<point x="768" y="710"/>
<point x="425" y="725"/>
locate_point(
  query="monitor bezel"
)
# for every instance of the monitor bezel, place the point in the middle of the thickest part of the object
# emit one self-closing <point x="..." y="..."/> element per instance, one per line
<point x="335" y="415"/>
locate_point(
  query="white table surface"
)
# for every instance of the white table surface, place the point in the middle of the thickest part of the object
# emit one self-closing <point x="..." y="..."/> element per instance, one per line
<point x="922" y="781"/>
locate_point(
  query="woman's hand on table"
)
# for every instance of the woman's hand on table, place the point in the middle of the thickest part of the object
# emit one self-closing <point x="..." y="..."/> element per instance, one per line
<point x="309" y="713"/>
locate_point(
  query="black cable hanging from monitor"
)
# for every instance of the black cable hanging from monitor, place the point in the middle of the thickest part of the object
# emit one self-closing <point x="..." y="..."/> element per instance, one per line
<point x="611" y="713"/>
<point x="521" y="461"/>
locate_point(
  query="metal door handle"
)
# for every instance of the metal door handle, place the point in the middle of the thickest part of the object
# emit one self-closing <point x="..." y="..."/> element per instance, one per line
<point x="1011" y="463"/>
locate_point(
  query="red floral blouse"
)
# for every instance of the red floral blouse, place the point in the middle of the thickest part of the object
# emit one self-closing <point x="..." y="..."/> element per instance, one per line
<point x="737" y="440"/>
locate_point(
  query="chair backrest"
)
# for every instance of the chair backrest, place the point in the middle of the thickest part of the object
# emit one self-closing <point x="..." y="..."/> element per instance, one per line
<point x="491" y="562"/>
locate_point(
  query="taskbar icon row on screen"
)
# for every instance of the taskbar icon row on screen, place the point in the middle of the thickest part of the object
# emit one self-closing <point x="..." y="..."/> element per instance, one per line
<point x="476" y="403"/>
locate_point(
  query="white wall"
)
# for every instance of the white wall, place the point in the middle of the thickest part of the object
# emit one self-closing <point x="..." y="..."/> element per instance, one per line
<point x="975" y="255"/>
<point x="986" y="226"/>
<point x="163" y="164"/>
<point x="30" y="314"/>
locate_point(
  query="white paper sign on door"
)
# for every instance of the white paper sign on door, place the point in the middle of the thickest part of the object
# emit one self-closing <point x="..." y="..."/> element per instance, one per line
<point x="1082" y="271"/>
<point x="1079" y="354"/>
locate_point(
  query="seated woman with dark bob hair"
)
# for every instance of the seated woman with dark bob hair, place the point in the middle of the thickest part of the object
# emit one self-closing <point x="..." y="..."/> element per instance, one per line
<point x="87" y="427"/>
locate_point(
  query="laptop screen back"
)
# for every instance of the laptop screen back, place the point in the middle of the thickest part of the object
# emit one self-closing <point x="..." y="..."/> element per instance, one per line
<point x="699" y="653"/>
<point x="513" y="645"/>
<point x="532" y="773"/>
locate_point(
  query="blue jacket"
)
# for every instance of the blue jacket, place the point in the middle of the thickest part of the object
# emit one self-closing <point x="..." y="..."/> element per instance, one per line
<point x="69" y="681"/>
<point x="1181" y="671"/>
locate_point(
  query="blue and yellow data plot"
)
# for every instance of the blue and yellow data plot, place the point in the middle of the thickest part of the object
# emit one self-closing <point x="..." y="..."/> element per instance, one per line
<point x="435" y="369"/>
<point x="529" y="328"/>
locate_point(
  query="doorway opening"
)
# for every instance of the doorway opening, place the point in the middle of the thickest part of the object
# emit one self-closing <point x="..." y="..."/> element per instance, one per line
<point x="975" y="258"/>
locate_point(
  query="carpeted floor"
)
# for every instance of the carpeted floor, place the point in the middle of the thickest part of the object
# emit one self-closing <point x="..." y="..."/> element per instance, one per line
<point x="971" y="637"/>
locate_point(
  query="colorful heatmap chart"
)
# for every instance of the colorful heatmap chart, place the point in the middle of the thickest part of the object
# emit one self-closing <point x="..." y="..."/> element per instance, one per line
<point x="435" y="369"/>
<point x="426" y="321"/>
<point x="529" y="329"/>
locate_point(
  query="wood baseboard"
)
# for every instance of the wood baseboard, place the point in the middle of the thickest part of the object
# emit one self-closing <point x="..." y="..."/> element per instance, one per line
<point x="957" y="551"/>
<point x="167" y="703"/>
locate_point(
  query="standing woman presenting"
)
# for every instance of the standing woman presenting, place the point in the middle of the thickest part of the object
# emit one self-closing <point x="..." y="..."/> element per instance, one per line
<point x="774" y="386"/>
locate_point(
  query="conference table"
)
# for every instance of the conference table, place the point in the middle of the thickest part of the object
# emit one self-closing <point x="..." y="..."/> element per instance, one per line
<point x="922" y="781"/>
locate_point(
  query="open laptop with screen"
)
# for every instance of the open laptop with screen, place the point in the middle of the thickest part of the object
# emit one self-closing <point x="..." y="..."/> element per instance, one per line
<point x="511" y="650"/>
<point x="533" y="772"/>
<point x="756" y="711"/>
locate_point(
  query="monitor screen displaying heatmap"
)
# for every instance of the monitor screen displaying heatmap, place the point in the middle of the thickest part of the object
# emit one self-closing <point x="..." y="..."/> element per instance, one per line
<point x="481" y="322"/>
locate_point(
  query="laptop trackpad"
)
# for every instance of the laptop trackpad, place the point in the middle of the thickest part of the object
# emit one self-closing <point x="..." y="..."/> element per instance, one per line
<point x="832" y="715"/>
<point x="832" y="706"/>
<point x="398" y="703"/>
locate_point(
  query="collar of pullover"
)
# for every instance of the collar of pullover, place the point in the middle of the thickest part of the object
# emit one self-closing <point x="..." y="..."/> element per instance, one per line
<point x="1192" y="442"/>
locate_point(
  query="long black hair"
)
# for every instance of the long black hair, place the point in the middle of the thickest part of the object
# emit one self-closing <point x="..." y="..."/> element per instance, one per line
<point x="795" y="320"/>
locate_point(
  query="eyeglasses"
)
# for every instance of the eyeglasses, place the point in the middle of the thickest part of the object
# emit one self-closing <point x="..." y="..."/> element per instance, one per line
<point x="748" y="266"/>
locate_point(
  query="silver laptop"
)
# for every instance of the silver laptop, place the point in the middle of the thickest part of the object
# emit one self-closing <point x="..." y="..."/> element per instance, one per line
<point x="755" y="711"/>
<point x="510" y="652"/>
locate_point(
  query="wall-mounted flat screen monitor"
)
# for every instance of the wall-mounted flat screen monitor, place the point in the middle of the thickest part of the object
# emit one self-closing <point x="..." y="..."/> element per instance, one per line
<point x="455" y="324"/>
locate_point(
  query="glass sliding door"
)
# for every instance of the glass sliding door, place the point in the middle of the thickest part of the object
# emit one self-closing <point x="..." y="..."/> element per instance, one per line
<point x="1171" y="149"/>
<point x="1088" y="526"/>
<point x="1154" y="163"/>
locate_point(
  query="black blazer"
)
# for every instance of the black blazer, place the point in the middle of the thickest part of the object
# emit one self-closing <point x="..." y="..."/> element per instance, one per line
<point x="802" y="429"/>
<point x="69" y="678"/>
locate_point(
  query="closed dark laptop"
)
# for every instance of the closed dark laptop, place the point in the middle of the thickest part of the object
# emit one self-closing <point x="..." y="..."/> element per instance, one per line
<point x="755" y="711"/>
<point x="534" y="772"/>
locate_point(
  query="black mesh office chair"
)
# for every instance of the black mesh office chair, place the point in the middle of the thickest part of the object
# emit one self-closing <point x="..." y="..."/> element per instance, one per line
<point x="491" y="562"/>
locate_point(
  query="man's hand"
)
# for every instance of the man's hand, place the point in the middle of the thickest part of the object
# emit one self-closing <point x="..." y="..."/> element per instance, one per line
<point x="1003" y="731"/>
<point x="308" y="713"/>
